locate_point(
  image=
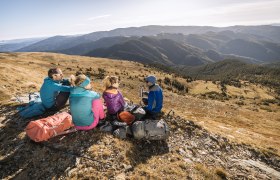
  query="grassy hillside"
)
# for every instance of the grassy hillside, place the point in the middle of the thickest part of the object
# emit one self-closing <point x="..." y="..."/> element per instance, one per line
<point x="221" y="138"/>
<point x="234" y="70"/>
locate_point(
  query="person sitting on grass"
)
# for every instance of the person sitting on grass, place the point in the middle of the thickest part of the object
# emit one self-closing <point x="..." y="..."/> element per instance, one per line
<point x="112" y="96"/>
<point x="154" y="101"/>
<point x="85" y="105"/>
<point x="55" y="90"/>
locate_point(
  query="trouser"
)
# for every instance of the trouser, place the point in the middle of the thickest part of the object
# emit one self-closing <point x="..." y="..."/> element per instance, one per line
<point x="61" y="99"/>
<point x="98" y="113"/>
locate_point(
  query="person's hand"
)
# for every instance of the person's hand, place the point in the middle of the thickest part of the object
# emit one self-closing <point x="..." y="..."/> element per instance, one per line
<point x="146" y="93"/>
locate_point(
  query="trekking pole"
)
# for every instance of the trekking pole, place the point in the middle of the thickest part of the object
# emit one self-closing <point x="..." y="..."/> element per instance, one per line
<point x="141" y="89"/>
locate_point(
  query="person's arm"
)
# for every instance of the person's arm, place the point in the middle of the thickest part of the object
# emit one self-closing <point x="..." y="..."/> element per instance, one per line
<point x="151" y="98"/>
<point x="158" y="99"/>
<point x="95" y="95"/>
<point x="121" y="100"/>
<point x="65" y="82"/>
<point x="59" y="87"/>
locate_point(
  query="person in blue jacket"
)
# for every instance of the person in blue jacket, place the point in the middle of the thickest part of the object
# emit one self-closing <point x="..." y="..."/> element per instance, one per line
<point x="53" y="93"/>
<point x="155" y="98"/>
<point x="85" y="105"/>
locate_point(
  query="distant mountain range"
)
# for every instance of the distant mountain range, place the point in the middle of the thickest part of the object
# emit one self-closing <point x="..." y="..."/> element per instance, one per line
<point x="151" y="50"/>
<point x="13" y="45"/>
<point x="168" y="45"/>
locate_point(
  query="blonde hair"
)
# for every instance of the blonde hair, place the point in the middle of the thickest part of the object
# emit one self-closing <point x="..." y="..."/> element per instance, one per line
<point x="77" y="80"/>
<point x="110" y="81"/>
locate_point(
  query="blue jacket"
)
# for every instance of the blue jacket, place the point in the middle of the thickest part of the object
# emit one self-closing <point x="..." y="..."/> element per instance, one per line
<point x="49" y="90"/>
<point x="81" y="106"/>
<point x="155" y="99"/>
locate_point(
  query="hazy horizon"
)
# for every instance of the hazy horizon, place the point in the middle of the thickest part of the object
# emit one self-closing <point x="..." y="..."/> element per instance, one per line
<point x="37" y="18"/>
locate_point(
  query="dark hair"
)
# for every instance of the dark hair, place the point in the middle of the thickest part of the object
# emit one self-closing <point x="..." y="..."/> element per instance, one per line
<point x="53" y="71"/>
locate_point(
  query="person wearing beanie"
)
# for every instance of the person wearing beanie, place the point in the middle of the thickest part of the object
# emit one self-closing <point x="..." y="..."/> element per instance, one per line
<point x="112" y="96"/>
<point x="54" y="92"/>
<point x="155" y="98"/>
<point x="85" y="105"/>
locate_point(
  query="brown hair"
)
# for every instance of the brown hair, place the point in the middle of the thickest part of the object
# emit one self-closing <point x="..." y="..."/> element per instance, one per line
<point x="77" y="80"/>
<point x="109" y="81"/>
<point x="53" y="71"/>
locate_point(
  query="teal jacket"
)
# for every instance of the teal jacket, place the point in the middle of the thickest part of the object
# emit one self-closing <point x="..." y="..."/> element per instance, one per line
<point x="81" y="106"/>
<point x="49" y="90"/>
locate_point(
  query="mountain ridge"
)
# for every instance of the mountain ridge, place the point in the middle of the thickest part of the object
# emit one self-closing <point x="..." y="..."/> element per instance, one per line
<point x="154" y="30"/>
<point x="187" y="45"/>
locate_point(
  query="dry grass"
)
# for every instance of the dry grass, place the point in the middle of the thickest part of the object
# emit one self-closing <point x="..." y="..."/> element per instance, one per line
<point x="251" y="91"/>
<point x="202" y="87"/>
<point x="24" y="72"/>
<point x="207" y="173"/>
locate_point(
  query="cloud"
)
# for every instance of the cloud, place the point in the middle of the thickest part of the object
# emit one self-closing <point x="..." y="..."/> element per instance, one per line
<point x="99" y="17"/>
<point x="238" y="13"/>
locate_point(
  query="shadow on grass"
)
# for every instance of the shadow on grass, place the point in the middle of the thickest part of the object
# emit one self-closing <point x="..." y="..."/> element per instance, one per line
<point x="21" y="158"/>
<point x="142" y="151"/>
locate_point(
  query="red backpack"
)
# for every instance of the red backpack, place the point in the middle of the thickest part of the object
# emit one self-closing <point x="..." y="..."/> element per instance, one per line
<point x="44" y="129"/>
<point x="126" y="116"/>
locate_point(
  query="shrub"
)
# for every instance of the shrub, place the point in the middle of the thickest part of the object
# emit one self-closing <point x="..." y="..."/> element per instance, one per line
<point x="167" y="81"/>
<point x="101" y="73"/>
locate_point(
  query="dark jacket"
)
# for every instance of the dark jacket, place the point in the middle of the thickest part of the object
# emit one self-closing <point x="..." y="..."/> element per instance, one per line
<point x="155" y="99"/>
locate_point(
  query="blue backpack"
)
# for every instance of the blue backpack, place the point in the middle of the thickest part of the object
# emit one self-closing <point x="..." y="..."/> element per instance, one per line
<point x="34" y="108"/>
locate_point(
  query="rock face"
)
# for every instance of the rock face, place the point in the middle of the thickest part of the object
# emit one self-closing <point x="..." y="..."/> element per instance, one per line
<point x="190" y="152"/>
<point x="240" y="161"/>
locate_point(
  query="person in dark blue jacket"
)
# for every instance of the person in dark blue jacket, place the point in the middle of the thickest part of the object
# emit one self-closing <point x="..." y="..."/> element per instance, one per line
<point x="53" y="93"/>
<point x="155" y="98"/>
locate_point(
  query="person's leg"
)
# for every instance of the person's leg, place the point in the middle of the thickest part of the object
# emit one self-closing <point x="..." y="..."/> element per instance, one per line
<point x="61" y="100"/>
<point x="62" y="97"/>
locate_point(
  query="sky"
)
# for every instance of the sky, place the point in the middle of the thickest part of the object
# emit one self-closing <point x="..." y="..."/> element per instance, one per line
<point x="42" y="18"/>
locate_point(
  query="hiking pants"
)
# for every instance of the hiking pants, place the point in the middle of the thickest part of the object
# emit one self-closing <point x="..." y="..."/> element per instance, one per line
<point x="60" y="100"/>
